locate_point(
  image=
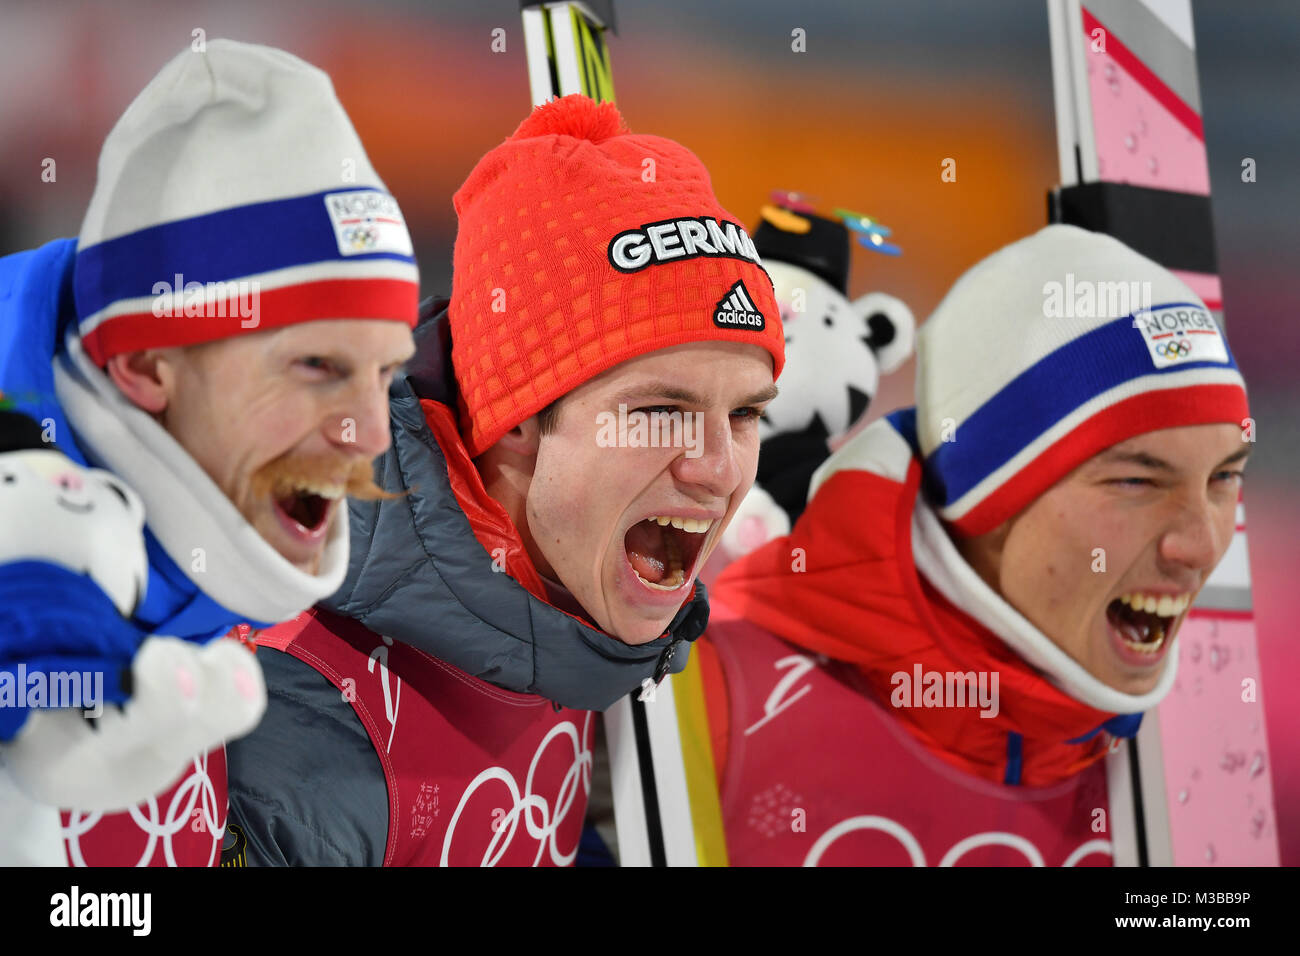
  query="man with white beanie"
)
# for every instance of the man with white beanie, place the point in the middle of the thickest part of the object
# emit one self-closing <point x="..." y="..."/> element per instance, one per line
<point x="221" y="338"/>
<point x="985" y="589"/>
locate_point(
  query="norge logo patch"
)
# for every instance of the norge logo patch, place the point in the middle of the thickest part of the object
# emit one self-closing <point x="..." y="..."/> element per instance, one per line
<point x="1181" y="333"/>
<point x="366" y="220"/>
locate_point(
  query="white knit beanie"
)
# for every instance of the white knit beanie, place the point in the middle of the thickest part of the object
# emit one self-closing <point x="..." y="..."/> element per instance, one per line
<point x="234" y="196"/>
<point x="1050" y="351"/>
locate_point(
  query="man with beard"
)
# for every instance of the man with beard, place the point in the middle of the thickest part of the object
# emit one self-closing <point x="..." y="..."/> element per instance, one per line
<point x="221" y="337"/>
<point x="575" y="432"/>
<point x="985" y="590"/>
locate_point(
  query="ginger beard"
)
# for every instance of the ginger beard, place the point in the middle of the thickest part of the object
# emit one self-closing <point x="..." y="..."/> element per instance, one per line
<point x="285" y="421"/>
<point x="305" y="492"/>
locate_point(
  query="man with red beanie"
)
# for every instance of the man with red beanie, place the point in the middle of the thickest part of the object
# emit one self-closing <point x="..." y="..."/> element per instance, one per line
<point x="574" y="433"/>
<point x="984" y="590"/>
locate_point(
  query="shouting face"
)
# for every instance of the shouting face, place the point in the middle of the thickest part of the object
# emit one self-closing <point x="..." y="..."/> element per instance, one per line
<point x="1107" y="562"/>
<point x="636" y="480"/>
<point x="285" y="421"/>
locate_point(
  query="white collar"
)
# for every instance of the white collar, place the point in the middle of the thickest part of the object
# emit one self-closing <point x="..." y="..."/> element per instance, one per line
<point x="188" y="514"/>
<point x="938" y="559"/>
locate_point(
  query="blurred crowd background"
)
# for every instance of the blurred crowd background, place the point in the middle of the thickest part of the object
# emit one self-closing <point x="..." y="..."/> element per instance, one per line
<point x="885" y="92"/>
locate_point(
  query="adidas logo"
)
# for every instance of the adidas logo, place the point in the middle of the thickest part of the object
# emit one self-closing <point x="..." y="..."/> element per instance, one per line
<point x="735" y="310"/>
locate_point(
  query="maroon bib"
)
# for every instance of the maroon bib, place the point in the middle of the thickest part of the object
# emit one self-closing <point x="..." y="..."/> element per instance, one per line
<point x="477" y="775"/>
<point x="817" y="773"/>
<point x="182" y="827"/>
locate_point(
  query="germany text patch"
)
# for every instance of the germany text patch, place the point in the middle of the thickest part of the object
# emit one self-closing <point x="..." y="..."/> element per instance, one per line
<point x="658" y="242"/>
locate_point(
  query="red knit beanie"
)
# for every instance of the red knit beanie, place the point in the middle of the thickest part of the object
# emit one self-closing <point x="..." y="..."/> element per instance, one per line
<point x="580" y="246"/>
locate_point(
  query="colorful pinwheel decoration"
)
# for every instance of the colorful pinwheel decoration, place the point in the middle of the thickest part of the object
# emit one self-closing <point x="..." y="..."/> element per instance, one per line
<point x="870" y="232"/>
<point x="783" y="213"/>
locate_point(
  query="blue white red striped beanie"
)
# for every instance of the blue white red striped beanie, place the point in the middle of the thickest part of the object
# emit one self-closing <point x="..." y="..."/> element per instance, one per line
<point x="1050" y="351"/>
<point x="234" y="196"/>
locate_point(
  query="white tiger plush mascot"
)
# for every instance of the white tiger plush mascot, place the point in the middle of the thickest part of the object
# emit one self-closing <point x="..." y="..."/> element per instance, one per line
<point x="836" y="349"/>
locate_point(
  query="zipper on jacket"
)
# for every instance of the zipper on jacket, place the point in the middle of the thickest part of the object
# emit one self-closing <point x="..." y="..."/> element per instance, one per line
<point x="666" y="659"/>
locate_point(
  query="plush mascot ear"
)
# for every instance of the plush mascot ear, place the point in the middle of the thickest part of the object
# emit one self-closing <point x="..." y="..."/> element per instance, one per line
<point x="19" y="432"/>
<point x="891" y="329"/>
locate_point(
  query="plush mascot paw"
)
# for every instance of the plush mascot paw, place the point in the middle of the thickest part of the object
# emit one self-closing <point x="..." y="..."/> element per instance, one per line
<point x="758" y="520"/>
<point x="187" y="699"/>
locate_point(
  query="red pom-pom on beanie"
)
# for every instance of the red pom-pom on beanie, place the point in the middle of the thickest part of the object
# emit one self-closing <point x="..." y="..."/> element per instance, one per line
<point x="576" y="116"/>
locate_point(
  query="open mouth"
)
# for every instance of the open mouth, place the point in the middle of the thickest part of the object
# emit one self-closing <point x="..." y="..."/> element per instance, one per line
<point x="1143" y="621"/>
<point x="308" y="506"/>
<point x="663" y="549"/>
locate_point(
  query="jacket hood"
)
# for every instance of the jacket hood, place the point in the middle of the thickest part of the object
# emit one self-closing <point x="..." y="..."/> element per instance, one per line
<point x="425" y="567"/>
<point x="881" y="587"/>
